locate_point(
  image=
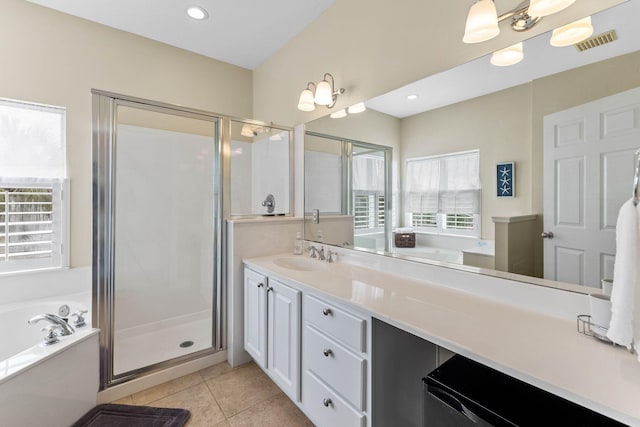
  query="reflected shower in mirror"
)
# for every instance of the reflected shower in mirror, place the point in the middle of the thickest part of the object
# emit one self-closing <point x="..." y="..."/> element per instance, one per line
<point x="503" y="113"/>
<point x="347" y="185"/>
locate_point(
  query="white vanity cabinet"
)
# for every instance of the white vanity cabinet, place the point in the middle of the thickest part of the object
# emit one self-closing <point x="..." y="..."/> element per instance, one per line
<point x="272" y="329"/>
<point x="315" y="350"/>
<point x="334" y="363"/>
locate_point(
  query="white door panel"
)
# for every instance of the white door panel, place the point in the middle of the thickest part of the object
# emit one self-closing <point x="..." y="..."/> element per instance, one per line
<point x="588" y="175"/>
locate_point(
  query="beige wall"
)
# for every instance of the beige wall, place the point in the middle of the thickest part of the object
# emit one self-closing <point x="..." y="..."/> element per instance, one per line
<point x="499" y="125"/>
<point x="374" y="46"/>
<point x="53" y="58"/>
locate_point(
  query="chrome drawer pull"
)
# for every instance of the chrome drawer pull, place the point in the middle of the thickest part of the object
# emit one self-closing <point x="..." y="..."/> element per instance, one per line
<point x="326" y="311"/>
<point x="327" y="352"/>
<point x="327" y="402"/>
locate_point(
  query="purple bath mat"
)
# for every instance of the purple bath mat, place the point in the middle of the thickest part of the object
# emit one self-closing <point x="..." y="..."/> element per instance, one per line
<point x="113" y="415"/>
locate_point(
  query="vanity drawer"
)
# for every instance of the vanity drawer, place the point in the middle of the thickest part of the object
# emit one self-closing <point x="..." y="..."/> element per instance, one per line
<point x="335" y="322"/>
<point x="325" y="407"/>
<point x="335" y="365"/>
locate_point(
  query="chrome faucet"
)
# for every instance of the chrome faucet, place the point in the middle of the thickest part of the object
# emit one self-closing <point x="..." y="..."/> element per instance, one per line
<point x="330" y="255"/>
<point x="313" y="252"/>
<point x="322" y="257"/>
<point x="66" y="329"/>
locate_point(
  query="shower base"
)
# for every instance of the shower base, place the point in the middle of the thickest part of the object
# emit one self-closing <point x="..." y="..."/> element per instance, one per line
<point x="156" y="342"/>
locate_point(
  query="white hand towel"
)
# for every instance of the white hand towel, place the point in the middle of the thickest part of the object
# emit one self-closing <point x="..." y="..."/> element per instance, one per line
<point x="624" y="328"/>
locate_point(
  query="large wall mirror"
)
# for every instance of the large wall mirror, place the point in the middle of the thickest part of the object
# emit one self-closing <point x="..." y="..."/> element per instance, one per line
<point x="471" y="128"/>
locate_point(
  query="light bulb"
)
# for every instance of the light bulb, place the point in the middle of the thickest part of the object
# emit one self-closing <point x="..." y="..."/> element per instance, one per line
<point x="540" y="8"/>
<point x="306" y="101"/>
<point x="357" y="108"/>
<point x="572" y="33"/>
<point x="482" y="22"/>
<point x="508" y="56"/>
<point x="339" y="114"/>
<point x="323" y="93"/>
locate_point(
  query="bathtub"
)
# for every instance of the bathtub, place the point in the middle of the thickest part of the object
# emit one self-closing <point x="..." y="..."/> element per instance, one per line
<point x="46" y="385"/>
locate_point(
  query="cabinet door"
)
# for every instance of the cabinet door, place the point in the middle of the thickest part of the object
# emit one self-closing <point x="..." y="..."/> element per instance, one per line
<point x="255" y="316"/>
<point x="284" y="337"/>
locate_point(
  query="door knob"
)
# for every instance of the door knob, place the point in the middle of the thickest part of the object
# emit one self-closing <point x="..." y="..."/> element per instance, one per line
<point x="547" y="235"/>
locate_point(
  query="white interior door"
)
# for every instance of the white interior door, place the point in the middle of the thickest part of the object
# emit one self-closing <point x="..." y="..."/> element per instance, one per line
<point x="588" y="174"/>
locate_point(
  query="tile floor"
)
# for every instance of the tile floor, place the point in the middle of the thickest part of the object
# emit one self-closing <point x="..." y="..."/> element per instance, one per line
<point x="222" y="396"/>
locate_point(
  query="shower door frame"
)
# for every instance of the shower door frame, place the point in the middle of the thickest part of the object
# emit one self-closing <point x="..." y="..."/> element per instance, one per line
<point x="105" y="106"/>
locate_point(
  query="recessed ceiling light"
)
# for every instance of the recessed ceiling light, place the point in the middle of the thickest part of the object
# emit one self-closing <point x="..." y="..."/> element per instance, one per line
<point x="197" y="13"/>
<point x="412" y="97"/>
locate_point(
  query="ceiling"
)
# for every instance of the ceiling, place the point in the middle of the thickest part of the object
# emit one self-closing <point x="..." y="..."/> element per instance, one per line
<point x="240" y="32"/>
<point x="479" y="77"/>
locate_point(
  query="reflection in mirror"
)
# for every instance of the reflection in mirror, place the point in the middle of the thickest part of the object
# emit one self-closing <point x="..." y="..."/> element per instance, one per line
<point x="347" y="184"/>
<point x="260" y="169"/>
<point x="508" y="114"/>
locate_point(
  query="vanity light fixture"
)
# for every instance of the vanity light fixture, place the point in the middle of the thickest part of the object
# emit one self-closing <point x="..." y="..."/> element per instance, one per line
<point x="572" y="33"/>
<point x="482" y="20"/>
<point x="508" y="56"/>
<point x="324" y="93"/>
<point x="198" y="13"/>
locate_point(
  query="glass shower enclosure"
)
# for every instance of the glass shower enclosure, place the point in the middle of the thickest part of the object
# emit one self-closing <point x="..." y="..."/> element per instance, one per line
<point x="156" y="234"/>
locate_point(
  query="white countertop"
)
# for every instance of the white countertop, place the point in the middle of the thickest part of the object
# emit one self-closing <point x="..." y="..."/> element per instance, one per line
<point x="541" y="349"/>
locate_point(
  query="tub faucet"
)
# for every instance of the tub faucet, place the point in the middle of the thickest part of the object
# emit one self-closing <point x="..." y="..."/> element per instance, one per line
<point x="54" y="320"/>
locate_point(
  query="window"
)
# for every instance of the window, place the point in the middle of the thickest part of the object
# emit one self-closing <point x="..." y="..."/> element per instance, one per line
<point x="368" y="211"/>
<point x="368" y="193"/>
<point x="33" y="200"/>
<point x="443" y="194"/>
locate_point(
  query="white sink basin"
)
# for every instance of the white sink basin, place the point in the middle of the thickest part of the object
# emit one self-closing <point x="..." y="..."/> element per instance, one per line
<point x="299" y="264"/>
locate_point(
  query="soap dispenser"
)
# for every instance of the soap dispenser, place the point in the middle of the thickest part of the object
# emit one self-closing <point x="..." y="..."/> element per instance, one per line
<point x="297" y="247"/>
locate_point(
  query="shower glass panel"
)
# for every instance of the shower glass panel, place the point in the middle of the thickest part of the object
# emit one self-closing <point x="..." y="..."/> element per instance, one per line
<point x="260" y="169"/>
<point x="164" y="204"/>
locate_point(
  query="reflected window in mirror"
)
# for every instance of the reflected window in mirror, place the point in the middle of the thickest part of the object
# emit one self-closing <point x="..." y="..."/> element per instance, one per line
<point x="368" y="175"/>
<point x="442" y="194"/>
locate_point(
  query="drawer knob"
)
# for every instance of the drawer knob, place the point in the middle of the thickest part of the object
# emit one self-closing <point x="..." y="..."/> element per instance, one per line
<point x="269" y="289"/>
<point x="260" y="285"/>
<point x="327" y="352"/>
<point x="326" y="311"/>
<point x="327" y="402"/>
